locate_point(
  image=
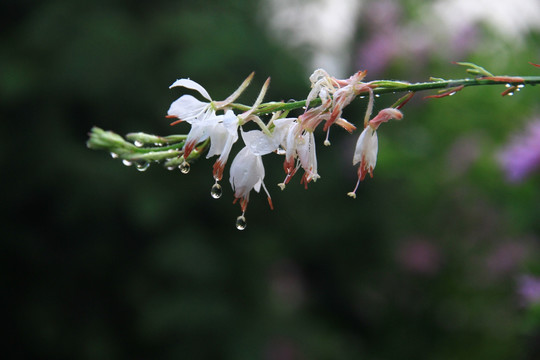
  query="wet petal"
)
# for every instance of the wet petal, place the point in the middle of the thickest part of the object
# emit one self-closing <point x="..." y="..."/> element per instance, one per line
<point x="187" y="108"/>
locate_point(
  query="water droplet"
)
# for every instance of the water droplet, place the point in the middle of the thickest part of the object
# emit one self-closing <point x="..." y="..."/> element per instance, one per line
<point x="171" y="168"/>
<point x="452" y="93"/>
<point x="377" y="95"/>
<point x="508" y="85"/>
<point x="184" y="167"/>
<point x="158" y="144"/>
<point x="137" y="143"/>
<point x="216" y="191"/>
<point x="362" y="97"/>
<point x="114" y="155"/>
<point x="521" y="86"/>
<point x="126" y="162"/>
<point x="241" y="222"/>
<point x="510" y="94"/>
<point x="143" y="166"/>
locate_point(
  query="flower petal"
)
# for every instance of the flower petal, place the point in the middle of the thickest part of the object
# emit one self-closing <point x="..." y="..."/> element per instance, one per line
<point x="259" y="143"/>
<point x="190" y="84"/>
<point x="187" y="108"/>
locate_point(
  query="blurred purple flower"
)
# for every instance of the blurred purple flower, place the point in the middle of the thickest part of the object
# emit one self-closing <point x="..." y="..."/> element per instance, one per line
<point x="529" y="289"/>
<point x="419" y="256"/>
<point x="464" y="40"/>
<point x="377" y="53"/>
<point x="505" y="258"/>
<point x="382" y="44"/>
<point x="522" y="155"/>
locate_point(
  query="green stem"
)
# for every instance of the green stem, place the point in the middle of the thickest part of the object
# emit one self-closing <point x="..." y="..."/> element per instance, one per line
<point x="386" y="87"/>
<point x="173" y="144"/>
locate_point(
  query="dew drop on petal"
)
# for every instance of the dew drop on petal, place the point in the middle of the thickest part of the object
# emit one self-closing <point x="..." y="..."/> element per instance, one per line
<point x="241" y="222"/>
<point x="216" y="191"/>
<point x="114" y="155"/>
<point x="143" y="166"/>
<point x="137" y="143"/>
<point x="126" y="162"/>
<point x="184" y="167"/>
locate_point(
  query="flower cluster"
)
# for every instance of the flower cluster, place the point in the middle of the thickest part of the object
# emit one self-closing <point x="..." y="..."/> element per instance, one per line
<point x="216" y="125"/>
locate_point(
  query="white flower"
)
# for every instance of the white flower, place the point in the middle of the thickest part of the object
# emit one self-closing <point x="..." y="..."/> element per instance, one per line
<point x="322" y="85"/>
<point x="365" y="152"/>
<point x="247" y="169"/>
<point x="367" y="145"/>
<point x="307" y="157"/>
<point x="300" y="150"/>
<point x="188" y="108"/>
<point x="201" y="115"/>
<point x="222" y="137"/>
<point x="204" y="121"/>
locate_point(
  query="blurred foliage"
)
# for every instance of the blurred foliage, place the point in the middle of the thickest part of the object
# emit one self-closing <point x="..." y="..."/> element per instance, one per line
<point x="103" y="262"/>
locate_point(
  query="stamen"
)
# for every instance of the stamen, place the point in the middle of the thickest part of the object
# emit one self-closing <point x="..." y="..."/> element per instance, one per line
<point x="269" y="198"/>
<point x="175" y="122"/>
<point x="326" y="141"/>
<point x="353" y="193"/>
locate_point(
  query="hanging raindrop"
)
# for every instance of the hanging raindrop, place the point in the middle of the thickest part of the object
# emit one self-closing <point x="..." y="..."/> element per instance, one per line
<point x="114" y="155"/>
<point x="143" y="166"/>
<point x="137" y="143"/>
<point x="126" y="162"/>
<point x="216" y="191"/>
<point x="241" y="222"/>
<point x="184" y="167"/>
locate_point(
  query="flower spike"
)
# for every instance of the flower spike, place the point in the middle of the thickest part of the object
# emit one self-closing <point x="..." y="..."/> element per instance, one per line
<point x="214" y="128"/>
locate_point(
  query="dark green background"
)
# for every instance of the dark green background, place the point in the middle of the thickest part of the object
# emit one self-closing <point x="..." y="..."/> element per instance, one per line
<point x="100" y="261"/>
